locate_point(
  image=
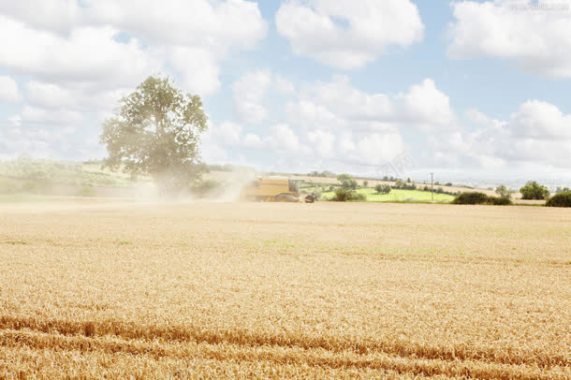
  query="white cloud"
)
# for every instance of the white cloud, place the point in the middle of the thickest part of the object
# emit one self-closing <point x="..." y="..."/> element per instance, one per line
<point x="230" y="133"/>
<point x="118" y="43"/>
<point x="541" y="120"/>
<point x="333" y="123"/>
<point x="426" y="104"/>
<point x="537" y="133"/>
<point x="88" y="54"/>
<point x="253" y="141"/>
<point x="249" y="95"/>
<point x="78" y="58"/>
<point x="378" y="148"/>
<point x="58" y="15"/>
<point x="348" y="34"/>
<point x="253" y="92"/>
<point x="283" y="85"/>
<point x="9" y="91"/>
<point x="284" y="138"/>
<point x="37" y="115"/>
<point x="536" y="36"/>
<point x="199" y="34"/>
<point x="323" y="142"/>
<point x="49" y="95"/>
<point x="212" y="25"/>
<point x="198" y="68"/>
<point x="340" y="97"/>
<point x="337" y="103"/>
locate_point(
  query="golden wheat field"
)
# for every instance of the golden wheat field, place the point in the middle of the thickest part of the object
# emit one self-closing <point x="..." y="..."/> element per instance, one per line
<point x="265" y="290"/>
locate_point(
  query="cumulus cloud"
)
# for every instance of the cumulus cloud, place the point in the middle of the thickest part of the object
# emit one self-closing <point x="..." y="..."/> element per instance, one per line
<point x="193" y="36"/>
<point x="214" y="25"/>
<point x="37" y="115"/>
<point x="75" y="59"/>
<point x="198" y="69"/>
<point x="252" y="93"/>
<point x="427" y="105"/>
<point x="348" y="34"/>
<point x="49" y="95"/>
<point x="336" y="103"/>
<point x="88" y="54"/>
<point x="249" y="95"/>
<point x="537" y="133"/>
<point x="57" y="15"/>
<point x="9" y="91"/>
<point x="334" y="123"/>
<point x="534" y="35"/>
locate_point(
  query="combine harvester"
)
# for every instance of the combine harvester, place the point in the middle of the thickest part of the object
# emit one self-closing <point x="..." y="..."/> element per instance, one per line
<point x="274" y="189"/>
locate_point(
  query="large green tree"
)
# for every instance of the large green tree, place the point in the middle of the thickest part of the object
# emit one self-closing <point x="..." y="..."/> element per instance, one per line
<point x="156" y="132"/>
<point x="534" y="190"/>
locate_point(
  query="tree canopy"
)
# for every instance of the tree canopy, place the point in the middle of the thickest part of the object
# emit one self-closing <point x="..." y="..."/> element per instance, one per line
<point x="156" y="132"/>
<point x="503" y="192"/>
<point x="347" y="181"/>
<point x="533" y="190"/>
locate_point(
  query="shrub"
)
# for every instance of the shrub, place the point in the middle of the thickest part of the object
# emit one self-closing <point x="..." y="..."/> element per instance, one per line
<point x="560" y="200"/>
<point x="499" y="201"/>
<point x="345" y="195"/>
<point x="503" y="192"/>
<point x="533" y="190"/>
<point x="477" y="198"/>
<point x="402" y="185"/>
<point x="470" y="198"/>
<point x="383" y="189"/>
<point x="347" y="182"/>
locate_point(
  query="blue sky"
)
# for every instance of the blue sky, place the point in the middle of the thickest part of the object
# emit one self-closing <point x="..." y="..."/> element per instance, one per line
<point x="472" y="90"/>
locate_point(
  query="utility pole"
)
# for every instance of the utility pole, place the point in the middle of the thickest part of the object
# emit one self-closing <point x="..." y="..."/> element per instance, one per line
<point x="432" y="186"/>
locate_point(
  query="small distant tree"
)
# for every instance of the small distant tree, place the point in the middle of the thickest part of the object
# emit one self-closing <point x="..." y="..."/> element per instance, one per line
<point x="156" y="132"/>
<point x="503" y="192"/>
<point x="346" y="195"/>
<point x="534" y="190"/>
<point x="562" y="190"/>
<point x="365" y="183"/>
<point x="347" y="182"/>
<point x="382" y="189"/>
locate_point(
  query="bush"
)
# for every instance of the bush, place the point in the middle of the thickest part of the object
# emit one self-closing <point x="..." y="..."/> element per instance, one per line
<point x="383" y="189"/>
<point x="560" y="200"/>
<point x="346" y="195"/>
<point x="402" y="185"/>
<point x="533" y="190"/>
<point x="347" y="182"/>
<point x="499" y="201"/>
<point x="503" y="192"/>
<point x="470" y="198"/>
<point x="476" y="198"/>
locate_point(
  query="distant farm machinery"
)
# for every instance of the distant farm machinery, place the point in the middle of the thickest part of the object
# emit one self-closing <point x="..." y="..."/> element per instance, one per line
<point x="275" y="189"/>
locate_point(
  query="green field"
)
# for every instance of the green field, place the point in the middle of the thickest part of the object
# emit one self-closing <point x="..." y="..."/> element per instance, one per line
<point x="398" y="196"/>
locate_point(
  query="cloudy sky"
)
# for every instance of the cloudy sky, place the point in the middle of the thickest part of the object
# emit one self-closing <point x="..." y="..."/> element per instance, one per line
<point x="467" y="89"/>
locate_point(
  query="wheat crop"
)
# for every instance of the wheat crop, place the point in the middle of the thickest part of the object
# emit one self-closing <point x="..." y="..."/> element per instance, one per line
<point x="247" y="290"/>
